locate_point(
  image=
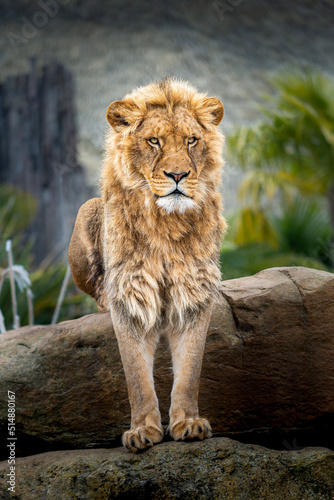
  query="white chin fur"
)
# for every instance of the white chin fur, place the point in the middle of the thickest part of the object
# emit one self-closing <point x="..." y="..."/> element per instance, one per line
<point x="174" y="203"/>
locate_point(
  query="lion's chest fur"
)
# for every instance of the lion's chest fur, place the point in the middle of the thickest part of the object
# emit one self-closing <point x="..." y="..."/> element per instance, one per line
<point x="151" y="273"/>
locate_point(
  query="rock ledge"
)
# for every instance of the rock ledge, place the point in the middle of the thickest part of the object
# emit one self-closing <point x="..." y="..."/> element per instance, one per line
<point x="268" y="366"/>
<point x="218" y="468"/>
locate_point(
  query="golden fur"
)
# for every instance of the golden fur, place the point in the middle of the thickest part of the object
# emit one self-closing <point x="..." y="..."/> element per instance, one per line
<point x="149" y="253"/>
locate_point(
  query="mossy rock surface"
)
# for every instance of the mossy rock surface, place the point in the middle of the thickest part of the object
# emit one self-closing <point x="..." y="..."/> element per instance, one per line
<point x="219" y="468"/>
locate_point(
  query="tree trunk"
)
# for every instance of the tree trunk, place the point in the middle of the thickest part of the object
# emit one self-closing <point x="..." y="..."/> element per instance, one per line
<point x="38" y="152"/>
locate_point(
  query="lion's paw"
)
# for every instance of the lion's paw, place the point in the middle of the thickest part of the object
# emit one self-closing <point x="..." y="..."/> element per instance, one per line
<point x="191" y="428"/>
<point x="141" y="438"/>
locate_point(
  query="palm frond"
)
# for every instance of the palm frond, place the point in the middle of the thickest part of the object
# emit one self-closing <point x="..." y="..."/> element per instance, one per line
<point x="21" y="276"/>
<point x="253" y="225"/>
<point x="304" y="227"/>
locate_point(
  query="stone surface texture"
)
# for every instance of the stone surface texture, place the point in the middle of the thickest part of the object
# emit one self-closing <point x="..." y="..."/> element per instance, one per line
<point x="218" y="468"/>
<point x="268" y="365"/>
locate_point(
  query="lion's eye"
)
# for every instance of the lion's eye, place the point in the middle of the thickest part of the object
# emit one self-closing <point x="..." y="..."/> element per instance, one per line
<point x="192" y="141"/>
<point x="154" y="141"/>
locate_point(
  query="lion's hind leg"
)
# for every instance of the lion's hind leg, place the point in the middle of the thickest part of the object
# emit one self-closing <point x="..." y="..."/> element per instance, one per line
<point x="85" y="251"/>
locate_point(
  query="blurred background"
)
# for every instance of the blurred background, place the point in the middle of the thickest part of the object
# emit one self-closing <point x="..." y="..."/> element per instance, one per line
<point x="63" y="62"/>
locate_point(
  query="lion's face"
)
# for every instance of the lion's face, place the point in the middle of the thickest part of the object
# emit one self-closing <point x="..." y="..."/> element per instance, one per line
<point x="172" y="150"/>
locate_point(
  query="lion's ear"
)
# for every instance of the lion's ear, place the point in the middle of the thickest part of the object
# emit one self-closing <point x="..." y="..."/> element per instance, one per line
<point x="210" y="110"/>
<point x="123" y="114"/>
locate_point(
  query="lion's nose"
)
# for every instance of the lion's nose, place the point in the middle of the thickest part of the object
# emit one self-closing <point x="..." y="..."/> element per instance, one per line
<point x="175" y="176"/>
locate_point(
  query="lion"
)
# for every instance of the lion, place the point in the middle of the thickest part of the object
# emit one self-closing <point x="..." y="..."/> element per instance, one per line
<point x="148" y="249"/>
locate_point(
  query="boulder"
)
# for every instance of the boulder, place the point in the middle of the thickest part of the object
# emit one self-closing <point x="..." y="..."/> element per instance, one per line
<point x="268" y="366"/>
<point x="216" y="468"/>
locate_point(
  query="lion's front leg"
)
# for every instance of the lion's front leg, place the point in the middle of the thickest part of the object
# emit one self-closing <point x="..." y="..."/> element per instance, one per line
<point x="137" y="353"/>
<point x="187" y="353"/>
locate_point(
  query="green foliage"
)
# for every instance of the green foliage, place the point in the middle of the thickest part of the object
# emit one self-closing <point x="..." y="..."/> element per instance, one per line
<point x="252" y="225"/>
<point x="304" y="227"/>
<point x="46" y="284"/>
<point x="17" y="211"/>
<point x="289" y="162"/>
<point x="296" y="136"/>
<point x="250" y="259"/>
<point x="301" y="236"/>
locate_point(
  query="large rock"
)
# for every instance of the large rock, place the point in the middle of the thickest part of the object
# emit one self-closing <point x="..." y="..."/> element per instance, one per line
<point x="216" y="468"/>
<point x="268" y="365"/>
